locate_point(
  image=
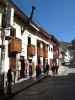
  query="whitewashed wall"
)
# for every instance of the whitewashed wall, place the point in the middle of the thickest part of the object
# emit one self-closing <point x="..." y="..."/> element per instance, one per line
<point x="18" y="30"/>
<point x="11" y="16"/>
<point x="0" y="19"/>
<point x="6" y="57"/>
<point x="24" y="45"/>
<point x="50" y="53"/>
<point x="33" y="42"/>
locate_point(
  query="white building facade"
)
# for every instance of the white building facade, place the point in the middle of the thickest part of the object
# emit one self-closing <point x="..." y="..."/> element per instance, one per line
<point x="23" y="47"/>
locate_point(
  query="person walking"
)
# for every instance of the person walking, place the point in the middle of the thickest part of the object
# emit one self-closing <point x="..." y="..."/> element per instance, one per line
<point x="47" y="69"/>
<point x="53" y="69"/>
<point x="30" y="70"/>
<point x="38" y="71"/>
<point x="33" y="71"/>
<point x="9" y="81"/>
<point x="56" y="69"/>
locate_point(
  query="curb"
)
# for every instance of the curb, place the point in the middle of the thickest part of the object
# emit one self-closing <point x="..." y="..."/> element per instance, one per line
<point x="17" y="92"/>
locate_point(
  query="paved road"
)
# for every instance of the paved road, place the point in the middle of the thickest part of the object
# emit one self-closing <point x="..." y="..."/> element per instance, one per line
<point x="56" y="88"/>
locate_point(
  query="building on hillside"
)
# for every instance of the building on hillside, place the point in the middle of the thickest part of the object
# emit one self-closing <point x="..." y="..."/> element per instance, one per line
<point x="71" y="49"/>
<point x="65" y="52"/>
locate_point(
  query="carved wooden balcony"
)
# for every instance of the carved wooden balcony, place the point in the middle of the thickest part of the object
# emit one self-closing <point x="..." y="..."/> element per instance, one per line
<point x="15" y="46"/>
<point x="40" y="52"/>
<point x="45" y="52"/>
<point x="30" y="50"/>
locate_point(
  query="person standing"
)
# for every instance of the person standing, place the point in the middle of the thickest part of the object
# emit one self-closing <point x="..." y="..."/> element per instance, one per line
<point x="56" y="69"/>
<point x="30" y="70"/>
<point x="53" y="69"/>
<point x="38" y="71"/>
<point x="9" y="81"/>
<point x="33" y="71"/>
<point x="47" y="68"/>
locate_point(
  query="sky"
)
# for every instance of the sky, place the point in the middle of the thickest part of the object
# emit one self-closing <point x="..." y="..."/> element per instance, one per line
<point x="57" y="17"/>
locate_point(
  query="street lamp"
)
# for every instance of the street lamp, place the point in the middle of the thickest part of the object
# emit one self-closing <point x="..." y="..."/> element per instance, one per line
<point x="1" y="63"/>
<point x="29" y="19"/>
<point x="5" y="26"/>
<point x="2" y="72"/>
<point x="32" y="13"/>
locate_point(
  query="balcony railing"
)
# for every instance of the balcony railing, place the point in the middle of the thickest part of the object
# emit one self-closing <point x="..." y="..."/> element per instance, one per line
<point x="40" y="52"/>
<point x="15" y="46"/>
<point x="30" y="50"/>
<point x="45" y="52"/>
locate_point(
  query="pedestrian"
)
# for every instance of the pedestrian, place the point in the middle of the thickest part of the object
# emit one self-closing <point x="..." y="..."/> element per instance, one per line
<point x="9" y="81"/>
<point x="44" y="69"/>
<point x="30" y="70"/>
<point x="33" y="71"/>
<point x="47" y="68"/>
<point x="53" y="68"/>
<point x="56" y="69"/>
<point x="38" y="71"/>
<point x="25" y="68"/>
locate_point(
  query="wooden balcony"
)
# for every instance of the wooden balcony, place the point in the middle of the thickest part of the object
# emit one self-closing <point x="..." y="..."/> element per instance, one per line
<point x="40" y="52"/>
<point x="30" y="50"/>
<point x="45" y="52"/>
<point x="15" y="46"/>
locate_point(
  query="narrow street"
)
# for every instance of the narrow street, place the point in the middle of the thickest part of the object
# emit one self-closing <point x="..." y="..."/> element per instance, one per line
<point x="51" y="88"/>
<point x="37" y="49"/>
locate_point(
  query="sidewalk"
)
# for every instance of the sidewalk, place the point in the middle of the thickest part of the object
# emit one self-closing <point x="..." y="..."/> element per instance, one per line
<point x="19" y="87"/>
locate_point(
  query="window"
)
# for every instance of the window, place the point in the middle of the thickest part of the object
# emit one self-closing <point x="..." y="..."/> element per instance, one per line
<point x="51" y="49"/>
<point x="29" y="40"/>
<point x="13" y="32"/>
